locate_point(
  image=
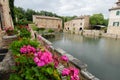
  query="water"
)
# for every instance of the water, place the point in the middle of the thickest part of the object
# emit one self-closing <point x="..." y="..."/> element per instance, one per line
<point x="102" y="55"/>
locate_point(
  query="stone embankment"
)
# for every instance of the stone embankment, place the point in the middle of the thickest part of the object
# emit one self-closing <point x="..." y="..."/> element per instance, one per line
<point x="97" y="33"/>
<point x="85" y="74"/>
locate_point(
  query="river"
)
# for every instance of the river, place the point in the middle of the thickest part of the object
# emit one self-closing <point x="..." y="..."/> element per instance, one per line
<point x="102" y="55"/>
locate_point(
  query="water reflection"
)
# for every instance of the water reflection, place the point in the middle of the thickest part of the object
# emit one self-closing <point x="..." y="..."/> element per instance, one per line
<point x="101" y="54"/>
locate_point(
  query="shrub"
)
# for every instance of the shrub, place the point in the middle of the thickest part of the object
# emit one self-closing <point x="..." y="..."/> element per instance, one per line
<point x="34" y="27"/>
<point x="24" y="31"/>
<point x="40" y="29"/>
<point x="50" y="31"/>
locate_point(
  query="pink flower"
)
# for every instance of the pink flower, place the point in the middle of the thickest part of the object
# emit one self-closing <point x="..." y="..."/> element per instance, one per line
<point x="39" y="37"/>
<point x="27" y="49"/>
<point x="23" y="49"/>
<point x="72" y="72"/>
<point x="56" y="61"/>
<point x="65" y="72"/>
<point x="74" y="77"/>
<point x="64" y="58"/>
<point x="41" y="63"/>
<point x="36" y="59"/>
<point x="43" y="58"/>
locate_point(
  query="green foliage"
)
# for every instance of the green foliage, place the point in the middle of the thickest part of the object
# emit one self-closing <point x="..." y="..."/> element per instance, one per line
<point x="23" y="22"/>
<point x="40" y="29"/>
<point x="98" y="19"/>
<point x="34" y="27"/>
<point x="105" y="22"/>
<point x="24" y="33"/>
<point x="16" y="45"/>
<point x="50" y="31"/>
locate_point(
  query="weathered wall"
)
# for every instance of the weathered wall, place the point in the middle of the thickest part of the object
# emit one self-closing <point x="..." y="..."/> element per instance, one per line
<point x="114" y="28"/>
<point x="5" y="14"/>
<point x="47" y="22"/>
<point x="77" y="25"/>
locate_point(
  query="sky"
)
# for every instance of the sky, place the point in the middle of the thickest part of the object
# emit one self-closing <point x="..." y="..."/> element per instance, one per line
<point x="69" y="7"/>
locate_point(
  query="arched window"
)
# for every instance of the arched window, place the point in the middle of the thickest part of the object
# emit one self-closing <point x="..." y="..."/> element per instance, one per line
<point x="118" y="13"/>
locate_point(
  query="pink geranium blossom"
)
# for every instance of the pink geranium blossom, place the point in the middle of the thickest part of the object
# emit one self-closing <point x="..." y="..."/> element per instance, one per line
<point x="43" y="58"/>
<point x="72" y="72"/>
<point x="64" y="58"/>
<point x="65" y="72"/>
<point x="27" y="49"/>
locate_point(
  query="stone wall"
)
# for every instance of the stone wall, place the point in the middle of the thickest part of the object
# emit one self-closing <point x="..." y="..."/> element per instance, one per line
<point x="5" y="14"/>
<point x="77" y="25"/>
<point x="113" y="30"/>
<point x="47" y="22"/>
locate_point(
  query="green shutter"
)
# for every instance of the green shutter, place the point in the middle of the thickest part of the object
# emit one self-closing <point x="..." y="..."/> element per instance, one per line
<point x="118" y="13"/>
<point x="117" y="23"/>
<point x="113" y="23"/>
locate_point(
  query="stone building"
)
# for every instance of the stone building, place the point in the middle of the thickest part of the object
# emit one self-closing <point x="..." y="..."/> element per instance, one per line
<point x="5" y="17"/>
<point x="114" y="20"/>
<point x="76" y="25"/>
<point x="47" y="22"/>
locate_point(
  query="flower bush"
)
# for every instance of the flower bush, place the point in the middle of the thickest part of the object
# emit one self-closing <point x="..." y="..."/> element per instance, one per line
<point x="35" y="62"/>
<point x="24" y="31"/>
<point x="32" y="62"/>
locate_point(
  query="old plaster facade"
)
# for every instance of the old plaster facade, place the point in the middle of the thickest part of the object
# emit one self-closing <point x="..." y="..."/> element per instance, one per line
<point x="47" y="22"/>
<point x="5" y="17"/>
<point x="76" y="25"/>
<point x="114" y="19"/>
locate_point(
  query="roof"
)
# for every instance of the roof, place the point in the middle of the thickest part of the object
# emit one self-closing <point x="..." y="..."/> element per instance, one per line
<point x="46" y="17"/>
<point x="114" y="8"/>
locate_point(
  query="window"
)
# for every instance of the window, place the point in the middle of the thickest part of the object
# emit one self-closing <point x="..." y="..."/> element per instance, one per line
<point x="118" y="13"/>
<point x="115" y="23"/>
<point x="80" y="23"/>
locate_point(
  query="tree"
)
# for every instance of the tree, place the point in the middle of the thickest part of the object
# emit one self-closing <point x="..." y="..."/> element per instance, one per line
<point x="105" y="22"/>
<point x="19" y="13"/>
<point x="97" y="19"/>
<point x="29" y="14"/>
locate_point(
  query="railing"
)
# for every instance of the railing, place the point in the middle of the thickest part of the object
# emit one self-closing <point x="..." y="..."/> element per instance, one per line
<point x="84" y="74"/>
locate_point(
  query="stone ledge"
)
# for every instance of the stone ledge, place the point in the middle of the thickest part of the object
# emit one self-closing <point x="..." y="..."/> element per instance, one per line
<point x="88" y="75"/>
<point x="7" y="63"/>
<point x="9" y="37"/>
